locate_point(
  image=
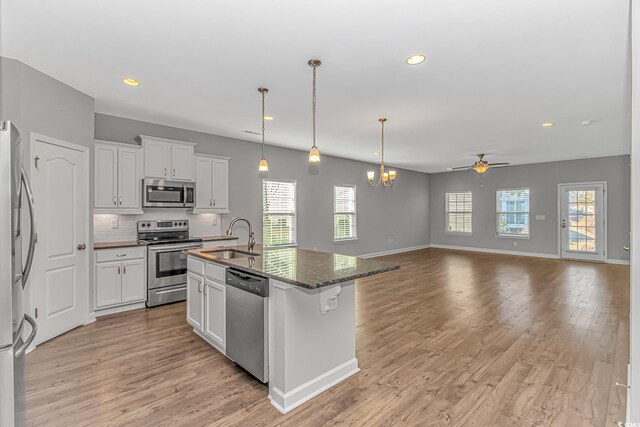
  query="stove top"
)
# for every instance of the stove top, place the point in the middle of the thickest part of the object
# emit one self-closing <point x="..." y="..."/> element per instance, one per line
<point x="155" y="232"/>
<point x="164" y="240"/>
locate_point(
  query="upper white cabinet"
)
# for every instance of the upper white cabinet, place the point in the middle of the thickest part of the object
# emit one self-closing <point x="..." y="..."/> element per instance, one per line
<point x="212" y="184"/>
<point x="118" y="178"/>
<point x="168" y="159"/>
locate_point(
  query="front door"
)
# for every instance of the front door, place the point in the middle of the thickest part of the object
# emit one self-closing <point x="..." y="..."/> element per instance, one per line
<point x="582" y="221"/>
<point x="61" y="280"/>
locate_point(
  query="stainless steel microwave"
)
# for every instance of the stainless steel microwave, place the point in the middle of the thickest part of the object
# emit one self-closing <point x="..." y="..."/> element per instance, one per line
<point x="158" y="193"/>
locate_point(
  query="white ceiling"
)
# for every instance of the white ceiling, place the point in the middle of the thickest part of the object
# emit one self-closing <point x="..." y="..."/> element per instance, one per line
<point x="495" y="70"/>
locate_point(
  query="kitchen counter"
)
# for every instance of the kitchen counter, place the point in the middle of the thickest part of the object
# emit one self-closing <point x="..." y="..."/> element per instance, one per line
<point x="112" y="245"/>
<point x="300" y="267"/>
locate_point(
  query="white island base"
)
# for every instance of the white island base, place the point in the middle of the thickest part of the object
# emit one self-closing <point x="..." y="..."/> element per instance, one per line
<point x="309" y="351"/>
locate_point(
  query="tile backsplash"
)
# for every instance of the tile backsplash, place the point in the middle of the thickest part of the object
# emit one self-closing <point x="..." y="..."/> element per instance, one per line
<point x="103" y="231"/>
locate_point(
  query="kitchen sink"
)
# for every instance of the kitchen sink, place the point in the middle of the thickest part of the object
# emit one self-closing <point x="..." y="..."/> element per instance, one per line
<point x="230" y="253"/>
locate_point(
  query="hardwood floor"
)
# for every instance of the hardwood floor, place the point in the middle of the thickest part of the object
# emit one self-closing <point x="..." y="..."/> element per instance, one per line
<point x="452" y="338"/>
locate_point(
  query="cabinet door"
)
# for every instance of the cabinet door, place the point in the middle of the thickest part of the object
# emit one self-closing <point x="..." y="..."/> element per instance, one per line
<point x="220" y="184"/>
<point x="129" y="178"/>
<point x="195" y="301"/>
<point x="157" y="160"/>
<point x="106" y="176"/>
<point x="133" y="281"/>
<point x="108" y="283"/>
<point x="215" y="315"/>
<point x="204" y="182"/>
<point x="182" y="162"/>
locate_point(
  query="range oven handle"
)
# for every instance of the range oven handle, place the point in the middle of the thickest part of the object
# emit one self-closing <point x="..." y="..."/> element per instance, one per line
<point x="164" y="248"/>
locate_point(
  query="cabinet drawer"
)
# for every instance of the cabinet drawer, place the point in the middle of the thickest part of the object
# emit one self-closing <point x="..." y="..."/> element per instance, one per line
<point x="120" y="254"/>
<point x="215" y="272"/>
<point x="195" y="266"/>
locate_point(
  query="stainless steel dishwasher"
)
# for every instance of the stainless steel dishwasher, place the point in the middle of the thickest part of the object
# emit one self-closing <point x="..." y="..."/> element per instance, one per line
<point x="247" y="310"/>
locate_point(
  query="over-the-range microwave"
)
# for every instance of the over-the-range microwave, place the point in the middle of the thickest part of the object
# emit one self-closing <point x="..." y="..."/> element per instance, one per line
<point x="158" y="193"/>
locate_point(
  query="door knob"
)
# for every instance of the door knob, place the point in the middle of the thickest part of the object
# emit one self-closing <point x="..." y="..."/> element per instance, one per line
<point x="82" y="247"/>
<point x="626" y="248"/>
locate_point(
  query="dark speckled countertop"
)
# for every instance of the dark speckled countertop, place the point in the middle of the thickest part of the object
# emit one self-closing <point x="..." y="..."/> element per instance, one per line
<point x="300" y="267"/>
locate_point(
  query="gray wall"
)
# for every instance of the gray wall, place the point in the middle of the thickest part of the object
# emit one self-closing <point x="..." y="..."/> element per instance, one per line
<point x="388" y="219"/>
<point x="543" y="180"/>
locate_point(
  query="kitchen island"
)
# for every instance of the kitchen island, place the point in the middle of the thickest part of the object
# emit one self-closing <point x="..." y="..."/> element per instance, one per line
<point x="310" y="315"/>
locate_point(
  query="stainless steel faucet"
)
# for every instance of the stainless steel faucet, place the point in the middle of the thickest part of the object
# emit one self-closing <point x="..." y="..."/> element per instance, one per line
<point x="252" y="240"/>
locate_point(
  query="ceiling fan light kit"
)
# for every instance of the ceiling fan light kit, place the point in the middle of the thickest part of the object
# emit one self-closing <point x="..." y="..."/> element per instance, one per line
<point x="481" y="166"/>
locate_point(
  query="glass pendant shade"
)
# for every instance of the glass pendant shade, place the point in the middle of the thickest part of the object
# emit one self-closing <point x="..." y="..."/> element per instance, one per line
<point x="371" y="175"/>
<point x="314" y="155"/>
<point x="480" y="168"/>
<point x="392" y="175"/>
<point x="263" y="166"/>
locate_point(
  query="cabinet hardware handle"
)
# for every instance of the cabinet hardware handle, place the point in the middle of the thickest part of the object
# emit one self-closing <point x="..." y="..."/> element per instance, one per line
<point x="204" y="290"/>
<point x="81" y="246"/>
<point x="210" y="202"/>
<point x="214" y="202"/>
<point x="165" y="171"/>
<point x="121" y="255"/>
<point x="120" y="201"/>
<point x="118" y="270"/>
<point x="624" y="385"/>
<point x="199" y="287"/>
<point x="174" y="173"/>
<point x="124" y="269"/>
<point x="115" y="200"/>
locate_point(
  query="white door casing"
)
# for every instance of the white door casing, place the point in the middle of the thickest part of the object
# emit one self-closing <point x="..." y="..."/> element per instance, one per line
<point x="582" y="221"/>
<point x="61" y="277"/>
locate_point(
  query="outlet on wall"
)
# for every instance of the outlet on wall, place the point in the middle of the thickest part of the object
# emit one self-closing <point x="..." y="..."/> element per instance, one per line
<point x="390" y="241"/>
<point x="114" y="224"/>
<point x="515" y="243"/>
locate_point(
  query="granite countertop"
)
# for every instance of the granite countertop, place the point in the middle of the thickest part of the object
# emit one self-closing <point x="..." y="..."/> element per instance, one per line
<point x="112" y="245"/>
<point x="300" y="267"/>
<point x="214" y="238"/>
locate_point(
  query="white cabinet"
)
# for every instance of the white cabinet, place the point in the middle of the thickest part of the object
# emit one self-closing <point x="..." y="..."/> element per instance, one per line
<point x="206" y="302"/>
<point x="212" y="184"/>
<point x="168" y="159"/>
<point x="214" y="313"/>
<point x="118" y="178"/>
<point x="120" y="277"/>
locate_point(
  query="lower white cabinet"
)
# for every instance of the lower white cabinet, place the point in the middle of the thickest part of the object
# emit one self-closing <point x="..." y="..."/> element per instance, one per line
<point x="120" y="277"/>
<point x="206" y="303"/>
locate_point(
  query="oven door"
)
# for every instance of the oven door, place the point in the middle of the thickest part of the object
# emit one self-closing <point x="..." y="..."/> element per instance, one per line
<point x="167" y="265"/>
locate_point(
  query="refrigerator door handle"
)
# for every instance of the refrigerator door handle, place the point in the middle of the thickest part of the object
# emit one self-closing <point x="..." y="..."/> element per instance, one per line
<point x="32" y="335"/>
<point x="32" y="238"/>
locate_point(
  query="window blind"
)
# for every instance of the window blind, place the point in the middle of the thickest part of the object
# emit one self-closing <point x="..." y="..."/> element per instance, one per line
<point x="344" y="212"/>
<point x="459" y="212"/>
<point x="279" y="213"/>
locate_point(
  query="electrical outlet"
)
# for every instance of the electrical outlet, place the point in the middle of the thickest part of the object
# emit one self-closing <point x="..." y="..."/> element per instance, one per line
<point x="214" y="220"/>
<point x="114" y="224"/>
<point x="515" y="243"/>
<point x="390" y="241"/>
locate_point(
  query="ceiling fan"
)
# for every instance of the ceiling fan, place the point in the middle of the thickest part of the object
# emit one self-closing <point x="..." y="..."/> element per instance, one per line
<point x="480" y="166"/>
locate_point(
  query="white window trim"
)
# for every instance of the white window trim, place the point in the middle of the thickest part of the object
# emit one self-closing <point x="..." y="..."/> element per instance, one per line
<point x="295" y="202"/>
<point x="513" y="236"/>
<point x="446" y="216"/>
<point x="333" y="216"/>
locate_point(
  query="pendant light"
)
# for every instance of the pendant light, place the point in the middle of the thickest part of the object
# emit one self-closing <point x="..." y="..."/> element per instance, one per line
<point x="314" y="154"/>
<point x="386" y="179"/>
<point x="263" y="166"/>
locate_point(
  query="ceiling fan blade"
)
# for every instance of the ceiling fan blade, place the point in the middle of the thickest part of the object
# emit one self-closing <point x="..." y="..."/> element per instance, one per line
<point x="498" y="164"/>
<point x="460" y="168"/>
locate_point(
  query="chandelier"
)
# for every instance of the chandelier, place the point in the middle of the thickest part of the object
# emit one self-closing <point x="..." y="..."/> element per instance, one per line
<point x="385" y="179"/>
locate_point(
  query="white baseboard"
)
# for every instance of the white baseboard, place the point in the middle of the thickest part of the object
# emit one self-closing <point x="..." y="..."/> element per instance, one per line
<point x="618" y="261"/>
<point x="496" y="251"/>
<point x="285" y="402"/>
<point x="119" y="309"/>
<point x="395" y="251"/>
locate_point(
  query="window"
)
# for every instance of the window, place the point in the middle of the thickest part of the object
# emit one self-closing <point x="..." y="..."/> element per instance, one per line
<point x="459" y="209"/>
<point x="279" y="213"/>
<point x="512" y="210"/>
<point x="344" y="213"/>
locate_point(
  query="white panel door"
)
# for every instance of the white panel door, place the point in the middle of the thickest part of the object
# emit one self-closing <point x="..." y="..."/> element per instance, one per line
<point x="204" y="182"/>
<point x="182" y="162"/>
<point x="129" y="178"/>
<point x="108" y="283"/>
<point x="157" y="160"/>
<point x="106" y="176"/>
<point x="215" y="315"/>
<point x="61" y="279"/>
<point x="133" y="281"/>
<point x="220" y="184"/>
<point x="582" y="221"/>
<point x="195" y="300"/>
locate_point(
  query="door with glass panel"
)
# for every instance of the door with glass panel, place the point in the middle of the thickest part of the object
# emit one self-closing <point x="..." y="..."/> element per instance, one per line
<point x="582" y="221"/>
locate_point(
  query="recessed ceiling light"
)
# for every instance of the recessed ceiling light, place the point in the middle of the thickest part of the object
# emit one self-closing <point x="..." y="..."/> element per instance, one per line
<point x="585" y="122"/>
<point x="376" y="153"/>
<point x="416" y="59"/>
<point x="268" y="117"/>
<point x="547" y="124"/>
<point x="130" y="82"/>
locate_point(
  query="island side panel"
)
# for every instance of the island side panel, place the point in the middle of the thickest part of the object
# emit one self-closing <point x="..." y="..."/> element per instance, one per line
<point x="309" y="351"/>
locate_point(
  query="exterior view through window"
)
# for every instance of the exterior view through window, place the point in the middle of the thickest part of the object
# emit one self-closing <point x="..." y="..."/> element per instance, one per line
<point x="344" y="212"/>
<point x="279" y="213"/>
<point x="512" y="210"/>
<point x="459" y="208"/>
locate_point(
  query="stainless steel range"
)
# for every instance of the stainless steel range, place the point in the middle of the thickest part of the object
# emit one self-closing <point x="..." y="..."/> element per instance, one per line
<point x="166" y="264"/>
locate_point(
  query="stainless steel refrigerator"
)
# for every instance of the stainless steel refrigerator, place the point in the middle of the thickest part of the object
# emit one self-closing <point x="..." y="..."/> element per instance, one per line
<point x="15" y="195"/>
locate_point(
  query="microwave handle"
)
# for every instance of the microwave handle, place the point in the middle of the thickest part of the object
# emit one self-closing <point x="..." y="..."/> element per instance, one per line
<point x="184" y="195"/>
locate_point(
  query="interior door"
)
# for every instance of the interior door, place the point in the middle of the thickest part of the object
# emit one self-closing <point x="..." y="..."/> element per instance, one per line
<point x="583" y="222"/>
<point x="204" y="182"/>
<point x="106" y="180"/>
<point x="129" y="178"/>
<point x="60" y="279"/>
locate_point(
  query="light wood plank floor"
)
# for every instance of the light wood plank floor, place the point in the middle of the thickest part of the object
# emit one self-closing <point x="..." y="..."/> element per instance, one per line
<point x="452" y="338"/>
